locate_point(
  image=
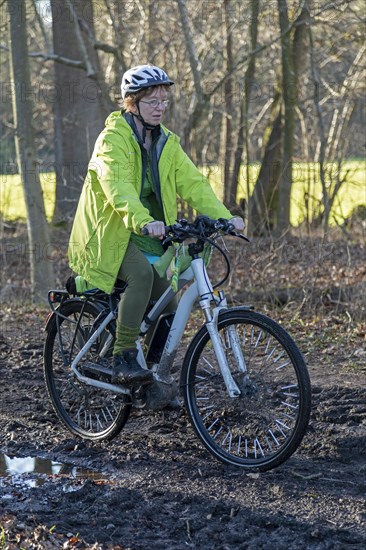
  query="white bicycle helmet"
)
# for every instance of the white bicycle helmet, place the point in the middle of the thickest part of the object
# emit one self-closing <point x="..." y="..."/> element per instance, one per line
<point x="143" y="76"/>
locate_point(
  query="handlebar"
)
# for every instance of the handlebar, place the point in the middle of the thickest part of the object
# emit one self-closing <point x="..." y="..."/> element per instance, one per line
<point x="203" y="228"/>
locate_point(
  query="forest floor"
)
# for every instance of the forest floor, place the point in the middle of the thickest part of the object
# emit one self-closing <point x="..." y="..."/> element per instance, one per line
<point x="154" y="486"/>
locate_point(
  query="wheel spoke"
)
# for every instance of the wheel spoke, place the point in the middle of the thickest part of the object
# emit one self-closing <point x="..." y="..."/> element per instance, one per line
<point x="264" y="425"/>
<point x="86" y="410"/>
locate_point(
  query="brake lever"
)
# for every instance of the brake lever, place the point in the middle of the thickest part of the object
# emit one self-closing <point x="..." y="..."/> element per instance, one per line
<point x="240" y="235"/>
<point x="178" y="235"/>
<point x="167" y="240"/>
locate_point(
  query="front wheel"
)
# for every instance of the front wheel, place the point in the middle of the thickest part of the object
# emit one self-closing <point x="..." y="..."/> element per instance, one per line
<point x="265" y="424"/>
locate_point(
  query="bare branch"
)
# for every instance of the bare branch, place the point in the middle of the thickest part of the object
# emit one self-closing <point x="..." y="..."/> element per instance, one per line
<point x="89" y="66"/>
<point x="41" y="25"/>
<point x="255" y="52"/>
<point x="54" y="57"/>
<point x="108" y="48"/>
<point x="320" y="120"/>
<point x="60" y="59"/>
<point x="193" y="59"/>
<point x="352" y="77"/>
<point x="97" y="45"/>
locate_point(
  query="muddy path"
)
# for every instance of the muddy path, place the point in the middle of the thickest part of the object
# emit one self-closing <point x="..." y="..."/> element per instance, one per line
<point x="158" y="488"/>
<point x="154" y="486"/>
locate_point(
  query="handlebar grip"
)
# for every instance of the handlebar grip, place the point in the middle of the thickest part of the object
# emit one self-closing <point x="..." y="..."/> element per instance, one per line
<point x="145" y="231"/>
<point x="225" y="224"/>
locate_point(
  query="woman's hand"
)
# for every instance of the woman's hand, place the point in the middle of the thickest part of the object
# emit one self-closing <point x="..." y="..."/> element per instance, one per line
<point x="154" y="229"/>
<point x="238" y="223"/>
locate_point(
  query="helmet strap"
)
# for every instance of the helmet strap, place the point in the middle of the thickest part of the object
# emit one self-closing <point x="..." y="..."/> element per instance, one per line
<point x="145" y="125"/>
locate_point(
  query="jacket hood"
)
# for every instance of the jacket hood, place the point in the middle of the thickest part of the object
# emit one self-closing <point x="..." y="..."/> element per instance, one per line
<point x="115" y="121"/>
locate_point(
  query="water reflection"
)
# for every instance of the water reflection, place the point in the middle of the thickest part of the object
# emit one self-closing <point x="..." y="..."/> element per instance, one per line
<point x="17" y="466"/>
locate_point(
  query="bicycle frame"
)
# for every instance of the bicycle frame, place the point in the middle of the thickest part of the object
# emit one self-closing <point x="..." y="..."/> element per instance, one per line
<point x="235" y="352"/>
<point x="201" y="288"/>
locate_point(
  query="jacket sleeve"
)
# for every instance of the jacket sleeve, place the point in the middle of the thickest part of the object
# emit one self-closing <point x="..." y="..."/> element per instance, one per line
<point x="194" y="188"/>
<point x="117" y="169"/>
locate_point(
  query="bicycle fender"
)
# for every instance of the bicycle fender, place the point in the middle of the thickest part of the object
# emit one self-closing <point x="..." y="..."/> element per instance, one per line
<point x="248" y="307"/>
<point x="49" y="317"/>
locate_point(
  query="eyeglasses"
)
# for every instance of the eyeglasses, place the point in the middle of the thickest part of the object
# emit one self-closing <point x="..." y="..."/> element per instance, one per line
<point x="154" y="103"/>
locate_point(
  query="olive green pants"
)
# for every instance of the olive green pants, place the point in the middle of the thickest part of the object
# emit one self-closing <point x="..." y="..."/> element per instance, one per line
<point x="144" y="285"/>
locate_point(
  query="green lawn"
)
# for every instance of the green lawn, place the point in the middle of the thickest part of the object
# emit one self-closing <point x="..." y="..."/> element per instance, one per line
<point x="12" y="205"/>
<point x="306" y="182"/>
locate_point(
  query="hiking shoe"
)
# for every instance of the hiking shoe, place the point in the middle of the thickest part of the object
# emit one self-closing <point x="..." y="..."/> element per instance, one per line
<point x="126" y="370"/>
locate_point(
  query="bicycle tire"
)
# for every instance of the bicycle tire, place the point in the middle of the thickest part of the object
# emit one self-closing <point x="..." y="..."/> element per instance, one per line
<point x="265" y="425"/>
<point x="86" y="411"/>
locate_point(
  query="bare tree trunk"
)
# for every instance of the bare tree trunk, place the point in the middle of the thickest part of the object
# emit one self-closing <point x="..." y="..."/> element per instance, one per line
<point x="41" y="268"/>
<point x="334" y="143"/>
<point x="118" y="39"/>
<point x="198" y="102"/>
<point x="289" y="96"/>
<point x="227" y="141"/>
<point x="192" y="54"/>
<point x="243" y="130"/>
<point x="79" y="112"/>
<point x="320" y="121"/>
<point x="239" y="209"/>
<point x="270" y="201"/>
<point x="264" y="200"/>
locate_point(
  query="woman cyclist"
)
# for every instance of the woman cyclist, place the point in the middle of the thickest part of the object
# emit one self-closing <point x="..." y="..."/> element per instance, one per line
<point x="137" y="171"/>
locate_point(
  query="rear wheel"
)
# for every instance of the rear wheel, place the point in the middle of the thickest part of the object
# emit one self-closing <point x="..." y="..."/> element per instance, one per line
<point x="262" y="427"/>
<point x="87" y="411"/>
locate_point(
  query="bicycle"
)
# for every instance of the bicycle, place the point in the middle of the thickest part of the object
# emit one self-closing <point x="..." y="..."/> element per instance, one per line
<point x="244" y="381"/>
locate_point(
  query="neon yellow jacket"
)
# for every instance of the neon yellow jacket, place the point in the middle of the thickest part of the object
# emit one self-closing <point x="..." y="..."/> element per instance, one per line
<point x="109" y="208"/>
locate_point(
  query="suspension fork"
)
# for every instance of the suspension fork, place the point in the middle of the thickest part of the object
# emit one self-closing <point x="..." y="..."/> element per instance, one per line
<point x="206" y="293"/>
<point x="236" y="349"/>
<point x="231" y="386"/>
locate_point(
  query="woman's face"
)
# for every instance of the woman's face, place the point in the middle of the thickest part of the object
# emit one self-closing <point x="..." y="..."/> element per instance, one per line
<point x="152" y="106"/>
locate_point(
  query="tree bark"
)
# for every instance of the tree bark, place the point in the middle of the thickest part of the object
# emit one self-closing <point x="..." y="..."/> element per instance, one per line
<point x="263" y="203"/>
<point x="198" y="102"/>
<point x="270" y="201"/>
<point x="243" y="130"/>
<point x="40" y="266"/>
<point x="79" y="112"/>
<point x="289" y="97"/>
<point x="229" y="113"/>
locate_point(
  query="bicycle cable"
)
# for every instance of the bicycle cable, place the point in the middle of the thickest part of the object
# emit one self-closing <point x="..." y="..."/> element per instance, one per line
<point x="227" y="262"/>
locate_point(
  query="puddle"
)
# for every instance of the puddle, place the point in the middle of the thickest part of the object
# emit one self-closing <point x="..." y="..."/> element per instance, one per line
<point x="34" y="471"/>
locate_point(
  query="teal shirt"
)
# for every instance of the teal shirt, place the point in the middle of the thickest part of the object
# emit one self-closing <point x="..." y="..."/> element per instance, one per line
<point x="149" y="201"/>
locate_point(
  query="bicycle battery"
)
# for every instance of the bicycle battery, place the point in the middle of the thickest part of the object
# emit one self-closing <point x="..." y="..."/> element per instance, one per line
<point x="159" y="337"/>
